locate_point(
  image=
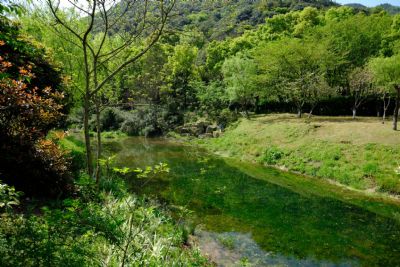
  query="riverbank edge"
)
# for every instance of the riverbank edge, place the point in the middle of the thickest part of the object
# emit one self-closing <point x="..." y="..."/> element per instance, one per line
<point x="363" y="198"/>
<point x="321" y="185"/>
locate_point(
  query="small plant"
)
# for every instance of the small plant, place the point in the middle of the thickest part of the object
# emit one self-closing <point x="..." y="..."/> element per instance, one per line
<point x="123" y="171"/>
<point x="107" y="163"/>
<point x="272" y="155"/>
<point x="370" y="169"/>
<point x="148" y="172"/>
<point x="9" y="197"/>
<point x="397" y="170"/>
<point x="227" y="241"/>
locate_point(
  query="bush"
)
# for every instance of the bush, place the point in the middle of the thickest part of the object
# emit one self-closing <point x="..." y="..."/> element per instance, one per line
<point x="272" y="155"/>
<point x="226" y="117"/>
<point x="75" y="152"/>
<point x="31" y="103"/>
<point x="111" y="119"/>
<point x="150" y="121"/>
<point x="8" y="196"/>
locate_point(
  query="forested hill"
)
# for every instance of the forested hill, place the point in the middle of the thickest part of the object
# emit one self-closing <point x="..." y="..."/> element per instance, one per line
<point x="390" y="9"/>
<point x="221" y="18"/>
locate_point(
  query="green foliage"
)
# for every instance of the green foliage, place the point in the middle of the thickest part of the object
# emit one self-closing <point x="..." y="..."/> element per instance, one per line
<point x="31" y="103"/>
<point x="341" y="151"/>
<point x="149" y="121"/>
<point x="75" y="151"/>
<point x="386" y="71"/>
<point x="272" y="155"/>
<point x="109" y="226"/>
<point x="9" y="197"/>
<point x="111" y="119"/>
<point x="226" y="117"/>
<point x="149" y="172"/>
<point x="294" y="70"/>
<point x="239" y="76"/>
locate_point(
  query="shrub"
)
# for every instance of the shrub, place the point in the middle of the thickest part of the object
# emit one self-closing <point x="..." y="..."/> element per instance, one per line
<point x="111" y="119"/>
<point x="8" y="196"/>
<point x="272" y="155"/>
<point x="370" y="169"/>
<point x="226" y="117"/>
<point x="75" y="152"/>
<point x="31" y="103"/>
<point x="132" y="126"/>
<point x="149" y="121"/>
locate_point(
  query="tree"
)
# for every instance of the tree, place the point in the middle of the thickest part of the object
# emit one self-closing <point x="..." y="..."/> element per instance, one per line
<point x="353" y="40"/>
<point x="239" y="76"/>
<point x="386" y="99"/>
<point x="317" y="90"/>
<point x="387" y="73"/>
<point x="295" y="70"/>
<point x="180" y="70"/>
<point x="361" y="87"/>
<point x="94" y="24"/>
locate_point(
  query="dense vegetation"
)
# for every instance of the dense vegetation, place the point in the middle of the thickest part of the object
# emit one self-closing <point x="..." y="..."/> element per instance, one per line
<point x="152" y="67"/>
<point x="191" y="71"/>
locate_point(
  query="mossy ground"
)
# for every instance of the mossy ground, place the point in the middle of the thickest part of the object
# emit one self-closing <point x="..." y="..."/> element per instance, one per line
<point x="362" y="153"/>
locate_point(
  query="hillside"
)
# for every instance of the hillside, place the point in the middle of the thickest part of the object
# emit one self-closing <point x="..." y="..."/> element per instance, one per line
<point x="391" y="9"/>
<point x="216" y="19"/>
<point x="359" y="153"/>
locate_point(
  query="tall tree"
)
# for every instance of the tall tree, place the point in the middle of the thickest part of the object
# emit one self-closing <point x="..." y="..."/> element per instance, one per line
<point x="106" y="30"/>
<point x="294" y="70"/>
<point x="239" y="76"/>
<point x="361" y="87"/>
<point x="387" y="73"/>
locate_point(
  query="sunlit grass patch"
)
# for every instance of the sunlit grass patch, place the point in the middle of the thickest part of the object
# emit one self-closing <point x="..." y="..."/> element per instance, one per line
<point x="361" y="153"/>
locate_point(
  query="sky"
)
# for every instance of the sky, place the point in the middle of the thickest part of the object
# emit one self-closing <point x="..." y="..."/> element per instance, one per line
<point x="370" y="3"/>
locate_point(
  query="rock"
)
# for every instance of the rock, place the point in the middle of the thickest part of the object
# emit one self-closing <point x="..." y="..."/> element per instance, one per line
<point x="217" y="133"/>
<point x="211" y="128"/>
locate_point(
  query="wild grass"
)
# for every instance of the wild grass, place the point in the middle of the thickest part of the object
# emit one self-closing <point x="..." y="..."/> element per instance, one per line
<point x="363" y="153"/>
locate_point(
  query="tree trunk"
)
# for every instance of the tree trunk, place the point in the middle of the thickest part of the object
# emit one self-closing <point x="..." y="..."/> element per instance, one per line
<point x="246" y="112"/>
<point x="311" y="111"/>
<point x="385" y="108"/>
<point x="299" y="113"/>
<point x="89" y="165"/>
<point x="256" y="104"/>
<point x="384" y="116"/>
<point x="354" y="113"/>
<point x="396" y="109"/>
<point x="98" y="154"/>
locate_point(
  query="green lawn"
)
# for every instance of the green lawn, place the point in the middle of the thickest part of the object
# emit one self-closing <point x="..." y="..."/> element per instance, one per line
<point x="363" y="153"/>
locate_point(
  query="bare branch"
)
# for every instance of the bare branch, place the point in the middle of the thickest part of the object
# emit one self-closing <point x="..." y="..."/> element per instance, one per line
<point x="164" y="16"/>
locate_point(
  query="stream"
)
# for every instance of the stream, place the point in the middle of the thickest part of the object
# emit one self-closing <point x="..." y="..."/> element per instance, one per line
<point x="249" y="215"/>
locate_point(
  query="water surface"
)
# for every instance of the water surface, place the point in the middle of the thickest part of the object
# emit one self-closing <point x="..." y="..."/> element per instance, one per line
<point x="251" y="214"/>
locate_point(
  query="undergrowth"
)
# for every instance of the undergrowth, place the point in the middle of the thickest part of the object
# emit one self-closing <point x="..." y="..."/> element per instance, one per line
<point x="97" y="226"/>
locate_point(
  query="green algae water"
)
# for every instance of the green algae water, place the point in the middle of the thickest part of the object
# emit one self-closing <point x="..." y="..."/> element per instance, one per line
<point x="249" y="215"/>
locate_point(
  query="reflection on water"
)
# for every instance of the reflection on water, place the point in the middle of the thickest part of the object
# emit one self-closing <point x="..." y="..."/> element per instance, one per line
<point x="238" y="249"/>
<point x="247" y="219"/>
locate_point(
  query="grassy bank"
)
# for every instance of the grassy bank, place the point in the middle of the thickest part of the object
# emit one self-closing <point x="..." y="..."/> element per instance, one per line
<point x="363" y="153"/>
<point x="95" y="226"/>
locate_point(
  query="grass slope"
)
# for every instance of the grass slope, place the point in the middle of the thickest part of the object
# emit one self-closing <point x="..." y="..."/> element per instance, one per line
<point x="363" y="153"/>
